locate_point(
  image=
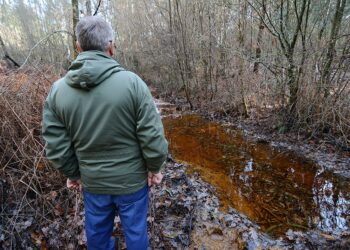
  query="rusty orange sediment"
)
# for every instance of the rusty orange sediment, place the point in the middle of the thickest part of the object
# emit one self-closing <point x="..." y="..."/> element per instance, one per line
<point x="276" y="189"/>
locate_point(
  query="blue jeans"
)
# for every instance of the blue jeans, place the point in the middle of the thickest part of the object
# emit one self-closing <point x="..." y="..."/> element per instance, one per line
<point x="100" y="210"/>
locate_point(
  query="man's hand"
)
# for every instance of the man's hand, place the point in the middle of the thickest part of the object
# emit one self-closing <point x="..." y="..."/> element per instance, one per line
<point x="154" y="179"/>
<point x="74" y="185"/>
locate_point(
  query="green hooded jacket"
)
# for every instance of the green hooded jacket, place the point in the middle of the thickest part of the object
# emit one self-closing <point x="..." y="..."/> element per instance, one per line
<point x="101" y="125"/>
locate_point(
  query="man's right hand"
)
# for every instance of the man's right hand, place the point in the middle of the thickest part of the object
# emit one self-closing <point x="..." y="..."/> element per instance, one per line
<point x="74" y="185"/>
<point x="154" y="179"/>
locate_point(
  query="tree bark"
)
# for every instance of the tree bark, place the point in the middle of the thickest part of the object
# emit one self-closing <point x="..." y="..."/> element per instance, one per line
<point x="6" y="54"/>
<point x="88" y="7"/>
<point x="75" y="18"/>
<point x="292" y="73"/>
<point x="170" y="18"/>
<point x="258" y="42"/>
<point x="181" y="51"/>
<point x="336" y="24"/>
<point x="241" y="40"/>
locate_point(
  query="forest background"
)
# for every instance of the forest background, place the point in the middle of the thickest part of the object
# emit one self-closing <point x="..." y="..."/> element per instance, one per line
<point x="284" y="61"/>
<point x="232" y="56"/>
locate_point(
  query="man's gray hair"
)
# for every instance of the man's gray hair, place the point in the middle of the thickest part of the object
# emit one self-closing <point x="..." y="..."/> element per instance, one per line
<point x="94" y="33"/>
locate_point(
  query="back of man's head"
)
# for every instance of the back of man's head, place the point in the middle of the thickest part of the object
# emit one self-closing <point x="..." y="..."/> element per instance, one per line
<point x="94" y="33"/>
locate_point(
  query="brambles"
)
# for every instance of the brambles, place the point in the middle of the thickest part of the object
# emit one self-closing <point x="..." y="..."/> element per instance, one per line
<point x="32" y="193"/>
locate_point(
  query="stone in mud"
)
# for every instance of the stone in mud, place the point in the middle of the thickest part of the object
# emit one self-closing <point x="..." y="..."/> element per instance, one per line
<point x="216" y="237"/>
<point x="202" y="195"/>
<point x="228" y="219"/>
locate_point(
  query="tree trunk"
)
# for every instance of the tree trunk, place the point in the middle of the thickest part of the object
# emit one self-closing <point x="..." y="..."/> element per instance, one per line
<point x="170" y="18"/>
<point x="293" y="88"/>
<point x="258" y="42"/>
<point x="88" y="7"/>
<point x="7" y="56"/>
<point x="181" y="51"/>
<point x="336" y="23"/>
<point x="75" y="18"/>
<point x="292" y="73"/>
<point x="241" y="40"/>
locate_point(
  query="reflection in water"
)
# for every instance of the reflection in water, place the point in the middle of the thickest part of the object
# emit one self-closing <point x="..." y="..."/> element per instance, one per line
<point x="276" y="189"/>
<point x="332" y="205"/>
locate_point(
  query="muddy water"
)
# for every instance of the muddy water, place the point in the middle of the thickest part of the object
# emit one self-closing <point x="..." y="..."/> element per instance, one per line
<point x="274" y="188"/>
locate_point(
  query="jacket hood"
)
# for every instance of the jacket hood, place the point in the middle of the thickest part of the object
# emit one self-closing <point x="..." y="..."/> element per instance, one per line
<point x="90" y="69"/>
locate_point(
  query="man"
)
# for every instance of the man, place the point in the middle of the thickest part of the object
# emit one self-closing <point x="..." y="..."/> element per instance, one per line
<point x="101" y="126"/>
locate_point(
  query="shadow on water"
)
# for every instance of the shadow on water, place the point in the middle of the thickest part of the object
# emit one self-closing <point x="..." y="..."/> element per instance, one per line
<point x="276" y="189"/>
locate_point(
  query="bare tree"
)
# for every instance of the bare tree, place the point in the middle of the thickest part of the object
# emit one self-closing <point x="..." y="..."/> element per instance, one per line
<point x="278" y="22"/>
<point x="336" y="23"/>
<point x="259" y="37"/>
<point x="231" y="56"/>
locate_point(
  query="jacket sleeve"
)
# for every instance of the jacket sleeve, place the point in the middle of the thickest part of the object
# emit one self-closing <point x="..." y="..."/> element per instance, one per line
<point x="59" y="148"/>
<point x="150" y="131"/>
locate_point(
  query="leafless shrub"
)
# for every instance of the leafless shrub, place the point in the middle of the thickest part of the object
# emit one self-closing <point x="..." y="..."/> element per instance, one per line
<point x="325" y="116"/>
<point x="35" y="207"/>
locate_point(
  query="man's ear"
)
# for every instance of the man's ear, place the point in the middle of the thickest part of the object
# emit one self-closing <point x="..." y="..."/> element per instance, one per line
<point x="79" y="49"/>
<point x="110" y="49"/>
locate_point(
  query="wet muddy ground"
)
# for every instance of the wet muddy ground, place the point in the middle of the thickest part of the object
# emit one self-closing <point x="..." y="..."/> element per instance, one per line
<point x="236" y="193"/>
<point x="278" y="193"/>
<point x="276" y="189"/>
<point x="185" y="213"/>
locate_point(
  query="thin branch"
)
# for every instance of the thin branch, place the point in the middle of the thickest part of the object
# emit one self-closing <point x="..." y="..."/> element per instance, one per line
<point x="12" y="60"/>
<point x="263" y="19"/>
<point x="341" y="36"/>
<point x="281" y="21"/>
<point x="273" y="30"/>
<point x="299" y="21"/>
<point x="41" y="41"/>
<point x="98" y="6"/>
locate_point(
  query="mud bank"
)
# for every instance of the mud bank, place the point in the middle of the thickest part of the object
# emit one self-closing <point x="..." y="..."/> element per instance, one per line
<point x="322" y="152"/>
<point x="187" y="215"/>
<point x="218" y="232"/>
